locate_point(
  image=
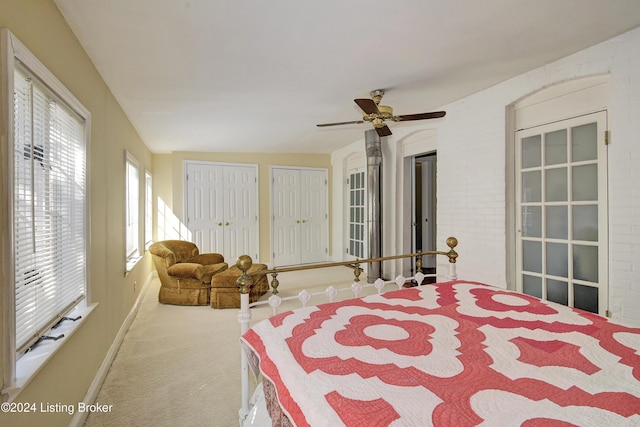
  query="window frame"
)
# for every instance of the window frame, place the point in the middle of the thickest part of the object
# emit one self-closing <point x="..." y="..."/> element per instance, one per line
<point x="132" y="228"/>
<point x="148" y="209"/>
<point x="19" y="370"/>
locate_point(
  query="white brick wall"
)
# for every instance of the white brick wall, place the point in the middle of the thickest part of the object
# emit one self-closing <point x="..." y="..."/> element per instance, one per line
<point x="471" y="170"/>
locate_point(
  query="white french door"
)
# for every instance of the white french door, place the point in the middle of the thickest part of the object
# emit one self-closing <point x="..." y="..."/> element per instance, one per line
<point x="221" y="204"/>
<point x="356" y="213"/>
<point x="561" y="219"/>
<point x="299" y="216"/>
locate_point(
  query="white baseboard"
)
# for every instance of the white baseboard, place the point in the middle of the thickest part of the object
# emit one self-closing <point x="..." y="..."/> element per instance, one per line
<point x="79" y="418"/>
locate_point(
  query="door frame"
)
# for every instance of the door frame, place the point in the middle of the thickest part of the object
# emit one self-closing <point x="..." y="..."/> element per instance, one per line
<point x="428" y="206"/>
<point x="353" y="166"/>
<point x="417" y="144"/>
<point x="600" y="118"/>
<point x="564" y="100"/>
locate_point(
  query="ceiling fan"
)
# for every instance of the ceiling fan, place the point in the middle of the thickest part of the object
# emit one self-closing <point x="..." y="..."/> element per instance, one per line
<point x="377" y="114"/>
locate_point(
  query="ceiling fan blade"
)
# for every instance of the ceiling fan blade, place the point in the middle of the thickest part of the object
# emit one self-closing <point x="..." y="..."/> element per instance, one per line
<point x="383" y="131"/>
<point x="420" y="116"/>
<point x="357" y="122"/>
<point x="367" y="105"/>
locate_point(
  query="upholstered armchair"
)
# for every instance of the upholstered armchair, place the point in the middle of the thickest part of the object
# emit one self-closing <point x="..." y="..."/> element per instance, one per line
<point x="185" y="274"/>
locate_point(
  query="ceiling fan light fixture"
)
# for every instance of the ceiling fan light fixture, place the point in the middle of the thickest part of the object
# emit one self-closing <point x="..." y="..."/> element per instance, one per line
<point x="377" y="114"/>
<point x="378" y="122"/>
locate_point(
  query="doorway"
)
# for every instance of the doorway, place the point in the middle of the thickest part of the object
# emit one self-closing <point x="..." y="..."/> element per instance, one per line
<point x="558" y="234"/>
<point x="423" y="215"/>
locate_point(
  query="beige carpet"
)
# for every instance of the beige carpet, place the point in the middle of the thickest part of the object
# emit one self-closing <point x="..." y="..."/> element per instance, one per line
<point x="180" y="365"/>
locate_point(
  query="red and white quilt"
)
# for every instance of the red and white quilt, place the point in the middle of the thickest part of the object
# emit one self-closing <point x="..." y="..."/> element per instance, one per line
<point x="449" y="354"/>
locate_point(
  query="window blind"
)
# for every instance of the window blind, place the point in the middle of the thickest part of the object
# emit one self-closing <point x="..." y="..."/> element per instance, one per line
<point x="48" y="208"/>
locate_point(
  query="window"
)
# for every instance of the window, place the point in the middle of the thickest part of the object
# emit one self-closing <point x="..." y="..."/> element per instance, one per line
<point x="148" y="210"/>
<point x="132" y="219"/>
<point x="48" y="140"/>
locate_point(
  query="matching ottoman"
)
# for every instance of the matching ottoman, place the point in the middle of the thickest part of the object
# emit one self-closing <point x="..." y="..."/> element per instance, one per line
<point x="225" y="292"/>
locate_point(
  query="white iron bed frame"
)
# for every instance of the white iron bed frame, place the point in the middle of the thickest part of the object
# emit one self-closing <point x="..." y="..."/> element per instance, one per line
<point x="253" y="411"/>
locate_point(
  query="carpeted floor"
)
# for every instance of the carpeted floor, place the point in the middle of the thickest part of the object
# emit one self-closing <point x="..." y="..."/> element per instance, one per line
<point x="180" y="365"/>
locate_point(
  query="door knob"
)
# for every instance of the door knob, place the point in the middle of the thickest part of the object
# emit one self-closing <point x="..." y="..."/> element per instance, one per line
<point x="219" y="224"/>
<point x="227" y="223"/>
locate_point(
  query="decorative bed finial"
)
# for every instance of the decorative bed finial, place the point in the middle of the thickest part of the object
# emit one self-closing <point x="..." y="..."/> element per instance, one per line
<point x="244" y="282"/>
<point x="452" y="242"/>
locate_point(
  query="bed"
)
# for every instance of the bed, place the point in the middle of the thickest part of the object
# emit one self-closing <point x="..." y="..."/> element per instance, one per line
<point x="450" y="353"/>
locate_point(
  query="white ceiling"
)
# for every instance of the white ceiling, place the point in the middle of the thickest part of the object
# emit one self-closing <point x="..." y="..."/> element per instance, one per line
<point x="258" y="75"/>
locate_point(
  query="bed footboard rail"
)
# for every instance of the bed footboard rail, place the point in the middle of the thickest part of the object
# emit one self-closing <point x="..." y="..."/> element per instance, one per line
<point x="245" y="283"/>
<point x="452" y="242"/>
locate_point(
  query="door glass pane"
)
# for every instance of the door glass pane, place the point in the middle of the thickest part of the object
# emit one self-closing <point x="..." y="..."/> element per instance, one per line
<point x="532" y="221"/>
<point x="531" y="152"/>
<point x="531" y="186"/>
<point x="585" y="263"/>
<point x="557" y="259"/>
<point x="532" y="285"/>
<point x="532" y="256"/>
<point x="556" y="185"/>
<point x="585" y="298"/>
<point x="555" y="147"/>
<point x="585" y="183"/>
<point x="557" y="291"/>
<point x="585" y="223"/>
<point x="557" y="222"/>
<point x="584" y="142"/>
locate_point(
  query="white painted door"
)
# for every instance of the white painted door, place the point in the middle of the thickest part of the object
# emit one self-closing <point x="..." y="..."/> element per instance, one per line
<point x="205" y="206"/>
<point x="299" y="216"/>
<point x="313" y="216"/>
<point x="561" y="193"/>
<point x="286" y="216"/>
<point x="240" y="212"/>
<point x="222" y="210"/>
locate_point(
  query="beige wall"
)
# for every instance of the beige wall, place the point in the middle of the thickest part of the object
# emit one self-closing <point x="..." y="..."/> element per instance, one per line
<point x="66" y="377"/>
<point x="173" y="191"/>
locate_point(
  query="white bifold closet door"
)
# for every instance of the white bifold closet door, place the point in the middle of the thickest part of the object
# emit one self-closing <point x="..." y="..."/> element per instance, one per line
<point x="299" y="216"/>
<point x="222" y="212"/>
